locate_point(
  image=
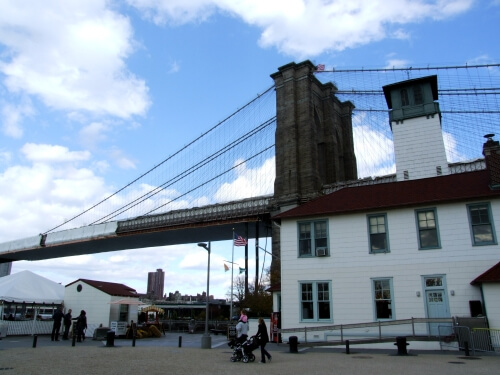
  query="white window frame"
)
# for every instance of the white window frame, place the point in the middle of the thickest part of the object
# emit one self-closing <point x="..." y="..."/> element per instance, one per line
<point x="421" y="229"/>
<point x="316" y="300"/>
<point x="375" y="299"/>
<point x="371" y="226"/>
<point x="474" y="235"/>
<point x="313" y="247"/>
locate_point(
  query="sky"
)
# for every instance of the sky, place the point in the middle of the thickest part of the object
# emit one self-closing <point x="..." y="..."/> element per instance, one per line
<point x="93" y="93"/>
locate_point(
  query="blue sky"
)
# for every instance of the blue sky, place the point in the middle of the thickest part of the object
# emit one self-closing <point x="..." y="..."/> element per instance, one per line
<point x="93" y="93"/>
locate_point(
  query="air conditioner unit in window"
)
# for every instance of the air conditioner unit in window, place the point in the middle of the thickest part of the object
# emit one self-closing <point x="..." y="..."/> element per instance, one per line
<point x="321" y="251"/>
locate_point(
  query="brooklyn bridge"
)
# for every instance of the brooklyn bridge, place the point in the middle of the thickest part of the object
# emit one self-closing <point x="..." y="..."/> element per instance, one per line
<point x="309" y="133"/>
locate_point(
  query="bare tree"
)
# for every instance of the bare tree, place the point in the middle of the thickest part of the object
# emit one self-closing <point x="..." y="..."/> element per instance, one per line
<point x="256" y="302"/>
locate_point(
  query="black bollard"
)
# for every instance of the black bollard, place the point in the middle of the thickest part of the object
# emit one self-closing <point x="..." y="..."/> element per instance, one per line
<point x="347" y="351"/>
<point x="401" y="345"/>
<point x="110" y="338"/>
<point x="180" y="341"/>
<point x="133" y="327"/>
<point x="74" y="334"/>
<point x="293" y="341"/>
<point x="466" y="348"/>
<point x="35" y="338"/>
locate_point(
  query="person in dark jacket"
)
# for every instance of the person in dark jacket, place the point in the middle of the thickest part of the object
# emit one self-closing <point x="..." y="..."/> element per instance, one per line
<point x="81" y="326"/>
<point x="67" y="324"/>
<point x="56" y="327"/>
<point x="263" y="338"/>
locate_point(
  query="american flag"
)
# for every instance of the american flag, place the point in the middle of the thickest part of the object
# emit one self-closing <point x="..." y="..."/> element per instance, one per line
<point x="239" y="241"/>
<point x="320" y="67"/>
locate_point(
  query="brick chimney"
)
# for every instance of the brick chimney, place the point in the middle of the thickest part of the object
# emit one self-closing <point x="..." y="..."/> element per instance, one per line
<point x="491" y="152"/>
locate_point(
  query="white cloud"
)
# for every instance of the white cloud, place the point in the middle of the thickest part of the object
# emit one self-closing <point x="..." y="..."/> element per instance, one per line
<point x="12" y="117"/>
<point x="374" y="151"/>
<point x="397" y="63"/>
<point x="53" y="188"/>
<point x="121" y="160"/>
<point x="72" y="59"/>
<point x="174" y="67"/>
<point x="286" y="24"/>
<point x="244" y="185"/>
<point x="94" y="133"/>
<point x="5" y="157"/>
<point x="452" y="154"/>
<point x="185" y="268"/>
<point x="52" y="153"/>
<point x="175" y="12"/>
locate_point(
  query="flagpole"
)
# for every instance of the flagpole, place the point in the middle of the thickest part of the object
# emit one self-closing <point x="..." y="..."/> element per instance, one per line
<point x="232" y="271"/>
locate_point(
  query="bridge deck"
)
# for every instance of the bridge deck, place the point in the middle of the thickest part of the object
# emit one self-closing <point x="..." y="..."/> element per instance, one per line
<point x="200" y="224"/>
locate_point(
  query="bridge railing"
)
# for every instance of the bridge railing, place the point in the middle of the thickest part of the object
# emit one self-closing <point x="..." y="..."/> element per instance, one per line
<point x="220" y="211"/>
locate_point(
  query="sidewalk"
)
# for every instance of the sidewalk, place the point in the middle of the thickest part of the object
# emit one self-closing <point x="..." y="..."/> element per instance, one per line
<point x="17" y="356"/>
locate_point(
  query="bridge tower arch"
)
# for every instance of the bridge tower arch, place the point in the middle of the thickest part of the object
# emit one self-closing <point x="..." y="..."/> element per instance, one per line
<point x="313" y="142"/>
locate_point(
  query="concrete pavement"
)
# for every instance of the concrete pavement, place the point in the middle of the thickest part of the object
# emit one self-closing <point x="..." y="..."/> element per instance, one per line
<point x="163" y="355"/>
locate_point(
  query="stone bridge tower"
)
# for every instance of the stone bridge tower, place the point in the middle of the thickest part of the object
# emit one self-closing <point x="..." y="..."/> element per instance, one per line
<point x="314" y="140"/>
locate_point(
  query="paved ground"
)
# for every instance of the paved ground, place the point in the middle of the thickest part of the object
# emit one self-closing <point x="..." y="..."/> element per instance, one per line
<point x="163" y="355"/>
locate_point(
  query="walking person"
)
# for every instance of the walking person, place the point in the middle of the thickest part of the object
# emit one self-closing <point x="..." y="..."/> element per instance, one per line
<point x="242" y="329"/>
<point x="263" y="338"/>
<point x="81" y="326"/>
<point x="67" y="324"/>
<point x="56" y="327"/>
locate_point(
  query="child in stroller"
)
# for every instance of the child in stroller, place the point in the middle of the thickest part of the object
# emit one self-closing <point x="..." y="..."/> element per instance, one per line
<point x="242" y="351"/>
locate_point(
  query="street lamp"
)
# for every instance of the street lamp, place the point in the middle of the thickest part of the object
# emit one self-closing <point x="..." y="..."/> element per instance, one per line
<point x="206" y="340"/>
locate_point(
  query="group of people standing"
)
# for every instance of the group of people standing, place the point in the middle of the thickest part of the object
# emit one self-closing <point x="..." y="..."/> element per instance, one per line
<point x="59" y="318"/>
<point x="262" y="336"/>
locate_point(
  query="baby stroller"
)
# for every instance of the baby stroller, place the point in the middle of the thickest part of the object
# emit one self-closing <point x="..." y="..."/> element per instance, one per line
<point x="243" y="351"/>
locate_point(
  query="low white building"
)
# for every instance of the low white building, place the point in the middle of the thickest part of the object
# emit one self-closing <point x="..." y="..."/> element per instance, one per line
<point x="411" y="248"/>
<point x="489" y="283"/>
<point x="103" y="302"/>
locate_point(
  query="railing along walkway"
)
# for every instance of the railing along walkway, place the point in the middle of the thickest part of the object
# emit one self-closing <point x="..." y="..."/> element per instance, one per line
<point x="417" y="328"/>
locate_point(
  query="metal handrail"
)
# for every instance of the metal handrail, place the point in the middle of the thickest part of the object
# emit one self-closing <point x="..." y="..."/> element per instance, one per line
<point x="378" y="325"/>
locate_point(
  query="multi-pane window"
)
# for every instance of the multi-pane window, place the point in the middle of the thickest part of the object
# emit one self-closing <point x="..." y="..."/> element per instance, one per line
<point x="313" y="238"/>
<point x="304" y="239"/>
<point x="428" y="235"/>
<point x="306" y="301"/>
<point x="404" y="98"/>
<point x="382" y="293"/>
<point x="417" y="94"/>
<point x="481" y="223"/>
<point x="124" y="313"/>
<point x="315" y="301"/>
<point x="377" y="229"/>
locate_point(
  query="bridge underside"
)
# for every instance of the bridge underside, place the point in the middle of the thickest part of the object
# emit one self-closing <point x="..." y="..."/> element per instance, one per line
<point x="145" y="238"/>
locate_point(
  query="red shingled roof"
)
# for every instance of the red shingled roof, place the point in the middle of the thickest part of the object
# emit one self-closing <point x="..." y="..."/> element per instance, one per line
<point x="490" y="276"/>
<point x="442" y="189"/>
<point x="113" y="289"/>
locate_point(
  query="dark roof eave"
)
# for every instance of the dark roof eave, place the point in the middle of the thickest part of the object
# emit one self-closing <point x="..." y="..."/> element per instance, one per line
<point x="377" y="208"/>
<point x="443" y="189"/>
<point x="492" y="275"/>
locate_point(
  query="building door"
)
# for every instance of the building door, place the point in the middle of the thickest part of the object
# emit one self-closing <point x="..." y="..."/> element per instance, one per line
<point x="436" y="302"/>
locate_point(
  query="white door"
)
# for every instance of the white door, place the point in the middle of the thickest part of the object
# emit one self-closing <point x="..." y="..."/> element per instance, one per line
<point x="437" y="307"/>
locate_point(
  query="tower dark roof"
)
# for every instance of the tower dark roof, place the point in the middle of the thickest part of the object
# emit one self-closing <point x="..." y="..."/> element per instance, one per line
<point x="398" y="85"/>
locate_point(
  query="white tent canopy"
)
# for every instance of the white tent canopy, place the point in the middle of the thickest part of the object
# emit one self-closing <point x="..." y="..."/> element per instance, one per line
<point x="26" y="286"/>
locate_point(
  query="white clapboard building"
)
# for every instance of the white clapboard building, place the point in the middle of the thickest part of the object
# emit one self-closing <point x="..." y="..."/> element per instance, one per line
<point x="422" y="243"/>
